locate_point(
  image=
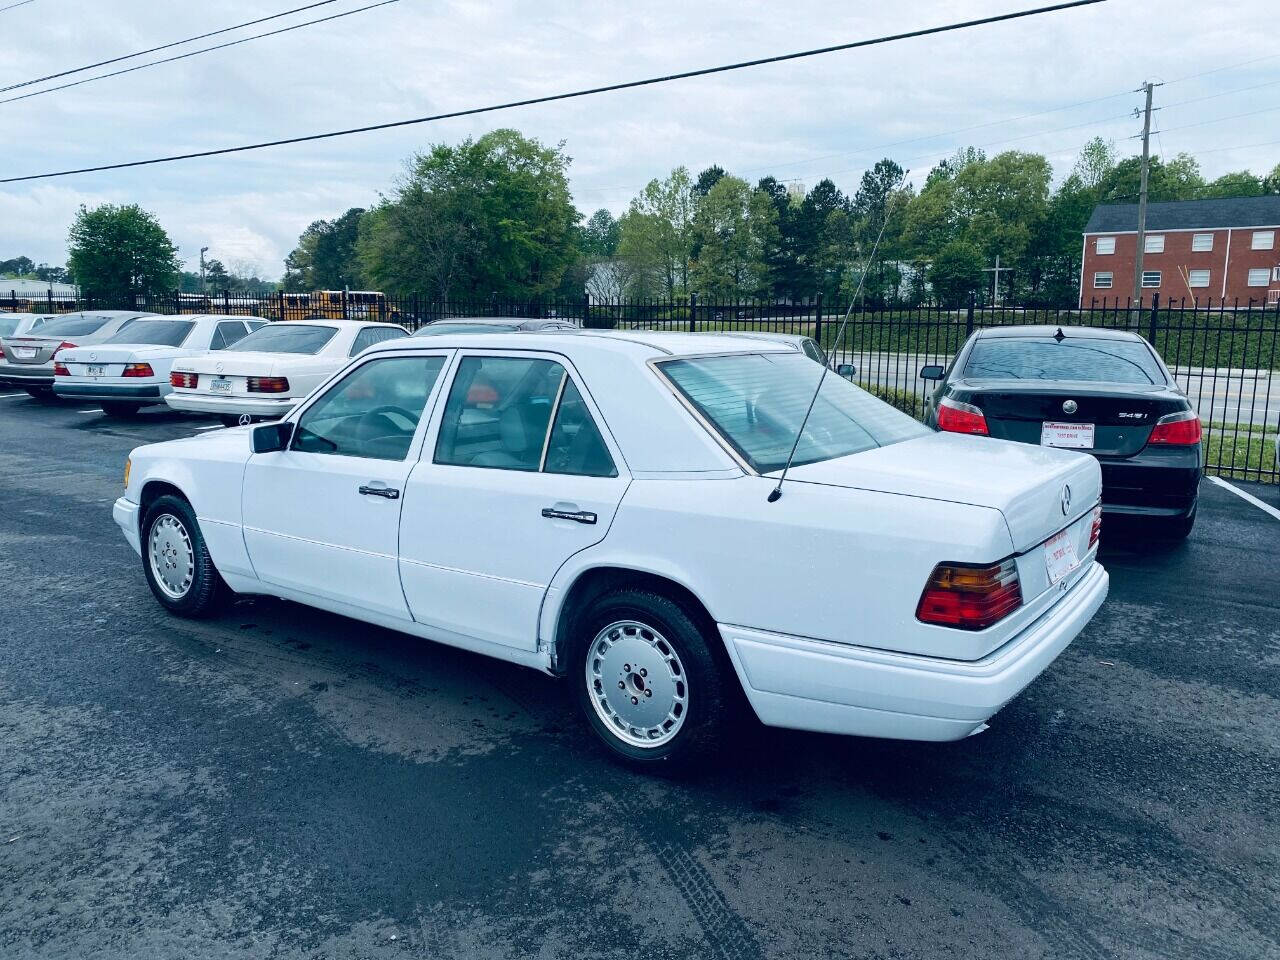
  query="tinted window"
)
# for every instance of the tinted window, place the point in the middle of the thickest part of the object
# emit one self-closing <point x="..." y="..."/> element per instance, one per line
<point x="1075" y="358"/>
<point x="73" y="326"/>
<point x="287" y="338"/>
<point x="372" y="335"/>
<point x="159" y="333"/>
<point x="813" y="351"/>
<point x="758" y="401"/>
<point x="8" y="325"/>
<point x="373" y="412"/>
<point x="576" y="446"/>
<point x="227" y="333"/>
<point x="439" y="327"/>
<point x="498" y="412"/>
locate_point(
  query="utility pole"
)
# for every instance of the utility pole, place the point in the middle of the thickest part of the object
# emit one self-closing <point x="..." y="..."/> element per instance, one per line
<point x="995" y="280"/>
<point x="203" y="286"/>
<point x="1149" y="89"/>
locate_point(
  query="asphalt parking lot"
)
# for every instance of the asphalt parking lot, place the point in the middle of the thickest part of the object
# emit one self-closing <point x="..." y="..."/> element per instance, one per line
<point x="281" y="782"/>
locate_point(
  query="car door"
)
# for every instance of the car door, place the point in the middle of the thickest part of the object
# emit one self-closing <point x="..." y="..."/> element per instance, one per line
<point x="518" y="475"/>
<point x="322" y="517"/>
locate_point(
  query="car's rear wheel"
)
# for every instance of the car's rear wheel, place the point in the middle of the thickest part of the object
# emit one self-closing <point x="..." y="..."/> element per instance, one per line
<point x="176" y="561"/>
<point x="43" y="394"/>
<point x="113" y="408"/>
<point x="646" y="679"/>
<point x="1180" y="528"/>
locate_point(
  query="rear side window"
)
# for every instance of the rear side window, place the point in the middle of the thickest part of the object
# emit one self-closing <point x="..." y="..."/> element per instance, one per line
<point x="73" y="326"/>
<point x="371" y="335"/>
<point x="8" y="325"/>
<point x="576" y="446"/>
<point x="498" y="413"/>
<point x="287" y="337"/>
<point x="1083" y="359"/>
<point x="227" y="333"/>
<point x="157" y="333"/>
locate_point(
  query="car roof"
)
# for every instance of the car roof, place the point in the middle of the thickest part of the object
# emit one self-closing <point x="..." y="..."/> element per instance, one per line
<point x="500" y="321"/>
<point x="327" y="322"/>
<point x="1049" y="330"/>
<point x="643" y="344"/>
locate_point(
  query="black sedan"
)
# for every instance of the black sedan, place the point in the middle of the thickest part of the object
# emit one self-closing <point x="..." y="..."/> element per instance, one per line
<point x="1103" y="392"/>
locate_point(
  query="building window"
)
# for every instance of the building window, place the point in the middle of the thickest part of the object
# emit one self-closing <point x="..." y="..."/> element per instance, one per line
<point x="1154" y="243"/>
<point x="1259" y="277"/>
<point x="1198" y="278"/>
<point x="1151" y="278"/>
<point x="1104" y="245"/>
<point x="1202" y="242"/>
<point x="1264" y="239"/>
<point x="1102" y="281"/>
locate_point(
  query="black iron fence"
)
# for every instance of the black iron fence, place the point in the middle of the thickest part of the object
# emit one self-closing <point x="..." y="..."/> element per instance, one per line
<point x="1226" y="357"/>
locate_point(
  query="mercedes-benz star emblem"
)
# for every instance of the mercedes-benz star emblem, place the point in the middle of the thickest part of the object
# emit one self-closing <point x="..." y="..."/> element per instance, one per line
<point x="1066" y="499"/>
<point x="1070" y="406"/>
<point x="93" y="356"/>
<point x="219" y="368"/>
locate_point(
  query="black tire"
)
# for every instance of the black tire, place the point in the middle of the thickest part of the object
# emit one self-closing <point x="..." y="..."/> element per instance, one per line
<point x="700" y="731"/>
<point x="43" y="394"/>
<point x="207" y="591"/>
<point x="116" y="408"/>
<point x="1180" y="528"/>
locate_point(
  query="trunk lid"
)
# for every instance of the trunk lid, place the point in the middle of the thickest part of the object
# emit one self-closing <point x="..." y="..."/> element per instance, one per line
<point x="32" y="350"/>
<point x="1122" y="415"/>
<point x="1027" y="484"/>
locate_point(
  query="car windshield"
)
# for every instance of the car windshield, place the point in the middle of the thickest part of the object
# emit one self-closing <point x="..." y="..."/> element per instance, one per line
<point x="286" y="338"/>
<point x="757" y="402"/>
<point x="1073" y="358"/>
<point x="160" y="333"/>
<point x="73" y="326"/>
<point x="439" y="327"/>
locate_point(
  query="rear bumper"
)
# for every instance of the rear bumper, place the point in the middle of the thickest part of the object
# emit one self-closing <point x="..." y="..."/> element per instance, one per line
<point x="231" y="406"/>
<point x="26" y="375"/>
<point x="832" y="688"/>
<point x="1157" y="482"/>
<point x="125" y="514"/>
<point x="108" y="391"/>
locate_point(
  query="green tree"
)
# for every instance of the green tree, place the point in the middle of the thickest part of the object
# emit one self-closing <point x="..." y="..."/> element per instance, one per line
<point x="600" y="235"/>
<point x="17" y="267"/>
<point x="956" y="273"/>
<point x="734" y="227"/>
<point x="1176" y="179"/>
<point x="490" y="216"/>
<point x="216" y="276"/>
<point x="117" y="252"/>
<point x="325" y="258"/>
<point x="1242" y="183"/>
<point x="1271" y="182"/>
<point x="656" y="237"/>
<point x="707" y="179"/>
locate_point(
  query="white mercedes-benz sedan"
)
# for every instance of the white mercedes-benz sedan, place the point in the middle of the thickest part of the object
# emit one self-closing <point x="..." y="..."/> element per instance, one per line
<point x="266" y="374"/>
<point x="600" y="505"/>
<point x="130" y="369"/>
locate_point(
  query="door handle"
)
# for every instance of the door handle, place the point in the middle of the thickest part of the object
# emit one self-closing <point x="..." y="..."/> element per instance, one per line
<point x="577" y="516"/>
<point x="388" y="493"/>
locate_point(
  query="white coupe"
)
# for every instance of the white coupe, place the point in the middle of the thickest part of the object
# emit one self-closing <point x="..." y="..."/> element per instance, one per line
<point x="600" y="505"/>
<point x="131" y="369"/>
<point x="267" y="374"/>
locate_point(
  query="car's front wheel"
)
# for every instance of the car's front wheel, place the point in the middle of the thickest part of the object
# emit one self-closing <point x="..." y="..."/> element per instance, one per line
<point x="176" y="561"/>
<point x="647" y="680"/>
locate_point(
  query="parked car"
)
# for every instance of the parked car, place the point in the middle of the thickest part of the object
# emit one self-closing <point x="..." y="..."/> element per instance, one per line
<point x="1102" y="392"/>
<point x="268" y="372"/>
<point x="27" y="360"/>
<point x="494" y="325"/>
<point x="17" y="324"/>
<point x="599" y="507"/>
<point x="131" y="369"/>
<point x="806" y="345"/>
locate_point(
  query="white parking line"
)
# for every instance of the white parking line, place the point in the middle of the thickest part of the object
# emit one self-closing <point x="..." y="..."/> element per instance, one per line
<point x="1264" y="507"/>
<point x="216" y="426"/>
<point x="94" y="410"/>
<point x="12" y="396"/>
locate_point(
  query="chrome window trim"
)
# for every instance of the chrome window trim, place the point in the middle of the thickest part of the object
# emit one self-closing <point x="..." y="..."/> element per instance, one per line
<point x="551" y="424"/>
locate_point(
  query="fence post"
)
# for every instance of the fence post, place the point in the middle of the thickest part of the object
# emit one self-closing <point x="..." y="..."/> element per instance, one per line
<point x="226" y="301"/>
<point x="177" y="302"/>
<point x="586" y="309"/>
<point x="968" y="321"/>
<point x="50" y="299"/>
<point x="817" y="324"/>
<point x="693" y="313"/>
<point x="345" y="315"/>
<point x="1155" y="317"/>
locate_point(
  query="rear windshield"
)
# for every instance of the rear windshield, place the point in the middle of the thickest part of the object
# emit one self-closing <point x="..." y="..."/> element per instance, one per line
<point x="757" y="402"/>
<point x="72" y="326"/>
<point x="160" y="333"/>
<point x="434" y="329"/>
<point x="286" y="338"/>
<point x="1074" y="358"/>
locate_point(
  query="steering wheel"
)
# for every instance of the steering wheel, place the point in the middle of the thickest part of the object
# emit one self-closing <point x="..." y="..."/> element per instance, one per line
<point x="392" y="408"/>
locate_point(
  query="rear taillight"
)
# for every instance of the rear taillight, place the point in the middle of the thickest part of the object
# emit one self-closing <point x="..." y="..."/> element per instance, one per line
<point x="187" y="381"/>
<point x="1177" y="429"/>
<point x="1095" y="531"/>
<point x="64" y="345"/>
<point x="957" y="417"/>
<point x="60" y="369"/>
<point x="970" y="598"/>
<point x="138" y="370"/>
<point x="268" y="385"/>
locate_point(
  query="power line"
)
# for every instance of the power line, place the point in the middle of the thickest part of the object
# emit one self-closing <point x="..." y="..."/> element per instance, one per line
<point x="14" y="6"/>
<point x="166" y="46"/>
<point x="550" y="98"/>
<point x="194" y="53"/>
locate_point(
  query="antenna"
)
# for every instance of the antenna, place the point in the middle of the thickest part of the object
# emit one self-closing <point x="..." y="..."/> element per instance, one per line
<point x="776" y="493"/>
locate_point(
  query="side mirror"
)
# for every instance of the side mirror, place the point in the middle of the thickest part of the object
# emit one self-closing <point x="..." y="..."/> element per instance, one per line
<point x="931" y="373"/>
<point x="272" y="437"/>
<point x="846" y="370"/>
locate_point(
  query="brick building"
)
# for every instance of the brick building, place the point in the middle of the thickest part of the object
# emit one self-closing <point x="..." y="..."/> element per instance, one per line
<point x="1196" y="250"/>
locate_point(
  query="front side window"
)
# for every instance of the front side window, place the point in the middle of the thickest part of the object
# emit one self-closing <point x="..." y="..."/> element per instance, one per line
<point x="1202" y="242"/>
<point x="373" y="412"/>
<point x="159" y="333"/>
<point x="1258" y="276"/>
<point x="371" y="335"/>
<point x="1102" y="281"/>
<point x="1198" y="278"/>
<point x="289" y="337"/>
<point x="1105" y="245"/>
<point x="1154" y="243"/>
<point x="1264" y="239"/>
<point x="73" y="326"/>
<point x="1074" y="358"/>
<point x="756" y="403"/>
<point x="1151" y="278"/>
<point x="498" y="413"/>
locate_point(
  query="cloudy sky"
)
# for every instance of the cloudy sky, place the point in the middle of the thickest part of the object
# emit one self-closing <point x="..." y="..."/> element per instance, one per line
<point x="1035" y="84"/>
